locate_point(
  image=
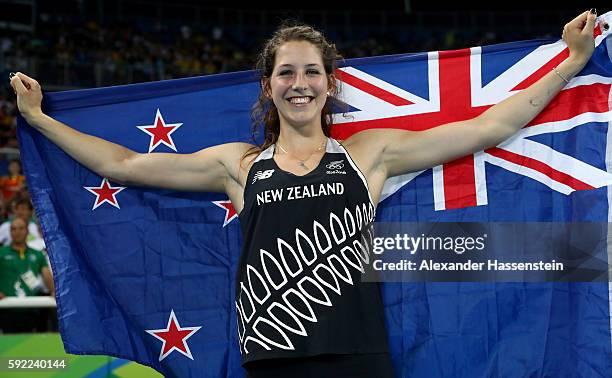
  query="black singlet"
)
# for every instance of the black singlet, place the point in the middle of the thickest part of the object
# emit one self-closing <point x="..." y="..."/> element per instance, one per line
<point x="298" y="285"/>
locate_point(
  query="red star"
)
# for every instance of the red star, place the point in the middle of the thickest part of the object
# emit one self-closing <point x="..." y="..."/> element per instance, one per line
<point x="160" y="132"/>
<point x="173" y="337"/>
<point x="105" y="193"/>
<point x="230" y="212"/>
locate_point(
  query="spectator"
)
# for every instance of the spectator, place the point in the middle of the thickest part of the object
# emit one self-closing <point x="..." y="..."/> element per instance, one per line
<point x="23" y="272"/>
<point x="22" y="208"/>
<point x="12" y="182"/>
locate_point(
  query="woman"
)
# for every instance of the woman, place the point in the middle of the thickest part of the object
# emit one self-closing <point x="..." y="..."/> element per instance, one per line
<point x="304" y="199"/>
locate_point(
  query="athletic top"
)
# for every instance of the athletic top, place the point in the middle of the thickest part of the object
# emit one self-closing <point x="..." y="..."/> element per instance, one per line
<point x="298" y="285"/>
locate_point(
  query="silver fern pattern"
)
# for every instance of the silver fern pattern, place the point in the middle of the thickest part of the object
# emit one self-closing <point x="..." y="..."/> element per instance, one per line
<point x="320" y="277"/>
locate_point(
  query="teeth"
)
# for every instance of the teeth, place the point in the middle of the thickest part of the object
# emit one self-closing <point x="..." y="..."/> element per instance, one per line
<point x="300" y="100"/>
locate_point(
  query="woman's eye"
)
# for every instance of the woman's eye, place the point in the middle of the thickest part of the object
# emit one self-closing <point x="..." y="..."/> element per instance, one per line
<point x="308" y="72"/>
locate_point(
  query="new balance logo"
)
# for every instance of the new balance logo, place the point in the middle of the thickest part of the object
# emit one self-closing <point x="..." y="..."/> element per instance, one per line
<point x="335" y="167"/>
<point x="261" y="175"/>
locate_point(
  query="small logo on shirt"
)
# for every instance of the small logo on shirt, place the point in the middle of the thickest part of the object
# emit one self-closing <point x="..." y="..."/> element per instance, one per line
<point x="337" y="164"/>
<point x="261" y="175"/>
<point x="335" y="167"/>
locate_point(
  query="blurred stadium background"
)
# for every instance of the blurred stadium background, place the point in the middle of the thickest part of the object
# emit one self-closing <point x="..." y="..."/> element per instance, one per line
<point x="93" y="43"/>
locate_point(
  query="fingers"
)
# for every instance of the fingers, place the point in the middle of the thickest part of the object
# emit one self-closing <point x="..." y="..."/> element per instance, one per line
<point x="17" y="84"/>
<point x="579" y="21"/>
<point x="22" y="82"/>
<point x="589" y="28"/>
<point x="28" y="81"/>
<point x="26" y="78"/>
<point x="584" y="23"/>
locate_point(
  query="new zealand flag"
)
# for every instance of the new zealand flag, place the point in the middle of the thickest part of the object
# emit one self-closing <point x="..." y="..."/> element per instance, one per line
<point x="148" y="275"/>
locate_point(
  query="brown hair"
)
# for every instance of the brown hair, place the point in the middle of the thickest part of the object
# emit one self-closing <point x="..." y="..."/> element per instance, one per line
<point x="264" y="111"/>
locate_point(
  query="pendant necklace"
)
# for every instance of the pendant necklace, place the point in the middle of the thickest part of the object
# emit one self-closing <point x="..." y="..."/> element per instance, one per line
<point x="302" y="162"/>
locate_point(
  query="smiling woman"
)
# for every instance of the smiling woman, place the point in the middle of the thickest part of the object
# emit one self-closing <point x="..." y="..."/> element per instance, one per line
<point x="297" y="68"/>
<point x="311" y="315"/>
<point x="300" y="90"/>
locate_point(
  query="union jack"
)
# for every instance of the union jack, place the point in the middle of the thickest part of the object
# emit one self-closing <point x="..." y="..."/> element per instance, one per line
<point x="457" y="92"/>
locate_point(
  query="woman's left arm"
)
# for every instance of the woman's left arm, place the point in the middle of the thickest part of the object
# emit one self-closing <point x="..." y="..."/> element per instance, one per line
<point x="402" y="151"/>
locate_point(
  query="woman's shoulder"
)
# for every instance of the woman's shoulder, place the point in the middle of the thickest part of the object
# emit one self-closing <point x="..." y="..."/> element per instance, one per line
<point x="246" y="149"/>
<point x="233" y="150"/>
<point x="242" y="153"/>
<point x="242" y="146"/>
<point x="364" y="139"/>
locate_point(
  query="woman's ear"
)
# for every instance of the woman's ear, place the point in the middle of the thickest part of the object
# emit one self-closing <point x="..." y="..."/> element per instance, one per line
<point x="265" y="87"/>
<point x="332" y="85"/>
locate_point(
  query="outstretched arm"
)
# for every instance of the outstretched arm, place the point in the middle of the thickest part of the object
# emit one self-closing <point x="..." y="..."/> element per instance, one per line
<point x="402" y="151"/>
<point x="211" y="169"/>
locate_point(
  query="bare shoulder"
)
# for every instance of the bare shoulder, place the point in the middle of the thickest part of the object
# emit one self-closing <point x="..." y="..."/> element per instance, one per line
<point x="231" y="148"/>
<point x="375" y="136"/>
<point x="227" y="153"/>
<point x="366" y="149"/>
<point x="238" y="157"/>
<point x="238" y="162"/>
<point x="367" y="145"/>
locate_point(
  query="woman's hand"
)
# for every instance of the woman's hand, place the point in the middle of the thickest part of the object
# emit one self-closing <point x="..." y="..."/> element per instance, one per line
<point x="29" y="95"/>
<point x="578" y="35"/>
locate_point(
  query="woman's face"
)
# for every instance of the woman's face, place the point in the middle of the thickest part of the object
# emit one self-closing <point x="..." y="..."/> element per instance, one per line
<point x="299" y="84"/>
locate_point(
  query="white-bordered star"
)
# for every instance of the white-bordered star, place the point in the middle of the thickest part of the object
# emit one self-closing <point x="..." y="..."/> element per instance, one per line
<point x="160" y="132"/>
<point x="105" y="193"/>
<point x="230" y="212"/>
<point x="173" y="337"/>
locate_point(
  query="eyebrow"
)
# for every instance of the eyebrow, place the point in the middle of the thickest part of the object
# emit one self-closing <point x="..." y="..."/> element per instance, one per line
<point x="308" y="65"/>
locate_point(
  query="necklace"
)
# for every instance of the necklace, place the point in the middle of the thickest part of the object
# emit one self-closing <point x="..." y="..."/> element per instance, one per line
<point x="302" y="162"/>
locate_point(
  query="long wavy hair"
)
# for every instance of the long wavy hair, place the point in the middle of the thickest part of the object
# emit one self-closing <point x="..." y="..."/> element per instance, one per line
<point x="264" y="112"/>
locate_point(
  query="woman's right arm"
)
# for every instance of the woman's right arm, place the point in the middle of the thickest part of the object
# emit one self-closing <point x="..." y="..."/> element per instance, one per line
<point x="206" y="170"/>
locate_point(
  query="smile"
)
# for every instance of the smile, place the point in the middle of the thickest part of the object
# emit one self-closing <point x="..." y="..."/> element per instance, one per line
<point x="300" y="101"/>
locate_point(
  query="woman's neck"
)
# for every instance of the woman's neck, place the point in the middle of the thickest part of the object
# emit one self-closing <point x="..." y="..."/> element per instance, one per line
<point x="301" y="141"/>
